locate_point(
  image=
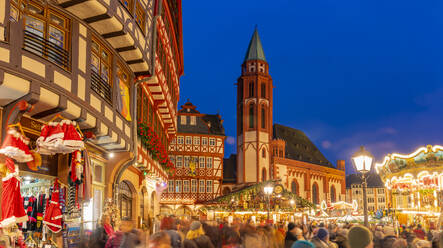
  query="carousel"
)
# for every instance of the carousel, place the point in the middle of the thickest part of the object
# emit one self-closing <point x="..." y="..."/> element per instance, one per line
<point x="415" y="185"/>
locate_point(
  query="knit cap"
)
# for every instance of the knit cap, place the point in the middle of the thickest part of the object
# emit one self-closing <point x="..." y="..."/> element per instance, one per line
<point x="195" y="225"/>
<point x="359" y="237"/>
<point x="302" y="244"/>
<point x="322" y="233"/>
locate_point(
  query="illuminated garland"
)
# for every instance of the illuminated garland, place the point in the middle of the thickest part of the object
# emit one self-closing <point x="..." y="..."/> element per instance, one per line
<point x="154" y="146"/>
<point x="252" y="199"/>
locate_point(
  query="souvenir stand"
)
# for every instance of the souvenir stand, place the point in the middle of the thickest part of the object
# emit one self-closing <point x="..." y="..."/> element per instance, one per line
<point x="40" y="206"/>
<point x="250" y="203"/>
<point x="415" y="183"/>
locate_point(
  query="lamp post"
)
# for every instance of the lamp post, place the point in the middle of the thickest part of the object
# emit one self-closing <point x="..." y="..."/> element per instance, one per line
<point x="362" y="163"/>
<point x="268" y="191"/>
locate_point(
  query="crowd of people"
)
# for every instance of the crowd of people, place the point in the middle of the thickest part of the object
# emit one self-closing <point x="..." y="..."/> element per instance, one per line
<point x="172" y="232"/>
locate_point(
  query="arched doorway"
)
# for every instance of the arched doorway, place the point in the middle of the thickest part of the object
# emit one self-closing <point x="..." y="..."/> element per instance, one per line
<point x="315" y="198"/>
<point x="165" y="210"/>
<point x="226" y="190"/>
<point x="126" y="200"/>
<point x="183" y="211"/>
<point x="333" y="194"/>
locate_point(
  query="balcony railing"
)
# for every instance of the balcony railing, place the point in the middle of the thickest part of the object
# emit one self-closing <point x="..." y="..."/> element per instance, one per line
<point x="101" y="87"/>
<point x="45" y="48"/>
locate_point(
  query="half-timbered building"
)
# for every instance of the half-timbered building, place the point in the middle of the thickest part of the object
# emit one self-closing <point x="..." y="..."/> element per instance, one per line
<point x="85" y="61"/>
<point x="197" y="152"/>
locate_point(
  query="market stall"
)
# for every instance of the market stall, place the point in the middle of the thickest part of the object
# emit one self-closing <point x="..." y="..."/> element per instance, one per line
<point x="415" y="184"/>
<point x="252" y="203"/>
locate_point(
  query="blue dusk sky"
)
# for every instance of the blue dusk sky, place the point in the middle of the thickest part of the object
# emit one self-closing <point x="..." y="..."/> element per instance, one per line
<point x="345" y="72"/>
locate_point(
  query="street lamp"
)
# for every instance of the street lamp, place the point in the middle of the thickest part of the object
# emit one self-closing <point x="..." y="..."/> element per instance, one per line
<point x="268" y="191"/>
<point x="362" y="163"/>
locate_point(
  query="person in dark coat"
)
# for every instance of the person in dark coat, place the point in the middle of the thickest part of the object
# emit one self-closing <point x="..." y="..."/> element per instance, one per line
<point x="389" y="238"/>
<point x="341" y="238"/>
<point x="291" y="236"/>
<point x="196" y="237"/>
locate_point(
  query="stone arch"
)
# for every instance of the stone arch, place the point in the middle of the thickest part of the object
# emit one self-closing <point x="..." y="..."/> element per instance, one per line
<point x="127" y="198"/>
<point x="184" y="210"/>
<point x="166" y="210"/>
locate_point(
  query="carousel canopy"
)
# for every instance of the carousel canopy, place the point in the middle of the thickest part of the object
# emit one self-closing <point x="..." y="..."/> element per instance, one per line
<point x="427" y="159"/>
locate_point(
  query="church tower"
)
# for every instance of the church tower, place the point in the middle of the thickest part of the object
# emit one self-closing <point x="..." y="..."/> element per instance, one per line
<point x="254" y="115"/>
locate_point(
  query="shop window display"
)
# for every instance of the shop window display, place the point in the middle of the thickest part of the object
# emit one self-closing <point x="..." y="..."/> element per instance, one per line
<point x="39" y="204"/>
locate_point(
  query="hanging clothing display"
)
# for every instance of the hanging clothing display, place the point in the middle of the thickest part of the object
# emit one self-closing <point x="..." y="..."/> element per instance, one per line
<point x="59" y="137"/>
<point x="13" y="212"/>
<point x="53" y="214"/>
<point x="15" y="146"/>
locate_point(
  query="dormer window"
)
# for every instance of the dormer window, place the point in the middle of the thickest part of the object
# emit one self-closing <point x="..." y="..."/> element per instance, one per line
<point x="183" y="120"/>
<point x="193" y="120"/>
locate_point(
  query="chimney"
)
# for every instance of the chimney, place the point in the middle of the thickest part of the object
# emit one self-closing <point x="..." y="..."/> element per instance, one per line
<point x="341" y="165"/>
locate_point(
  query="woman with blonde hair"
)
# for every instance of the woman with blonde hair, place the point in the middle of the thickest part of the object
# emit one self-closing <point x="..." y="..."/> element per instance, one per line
<point x="196" y="238"/>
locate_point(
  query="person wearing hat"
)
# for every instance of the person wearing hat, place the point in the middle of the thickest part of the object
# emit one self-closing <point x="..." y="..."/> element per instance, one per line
<point x="302" y="244"/>
<point x="321" y="239"/>
<point x="196" y="238"/>
<point x="389" y="236"/>
<point x="360" y="237"/>
<point x="291" y="236"/>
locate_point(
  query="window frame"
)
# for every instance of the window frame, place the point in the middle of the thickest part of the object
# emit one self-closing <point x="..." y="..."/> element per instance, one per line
<point x="180" y="140"/>
<point x="188" y="140"/>
<point x="178" y="186"/>
<point x="47" y="22"/>
<point x="201" y="164"/>
<point x="204" y="141"/>
<point x="140" y="11"/>
<point x="194" y="186"/>
<point x="196" y="140"/>
<point x="186" y="161"/>
<point x="185" y="186"/>
<point x="209" y="185"/>
<point x="179" y="161"/>
<point x="209" y="162"/>
<point x="212" y="142"/>
<point x="201" y="186"/>
<point x="108" y="63"/>
<point x="171" y="185"/>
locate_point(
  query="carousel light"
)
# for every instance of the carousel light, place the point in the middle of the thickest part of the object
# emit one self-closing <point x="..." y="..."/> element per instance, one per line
<point x="292" y="202"/>
<point x="111" y="155"/>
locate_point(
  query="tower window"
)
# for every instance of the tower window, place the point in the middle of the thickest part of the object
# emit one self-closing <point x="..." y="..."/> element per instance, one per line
<point x="263" y="153"/>
<point x="263" y="174"/>
<point x="251" y="89"/>
<point x="263" y="90"/>
<point x="251" y="116"/>
<point x="263" y="117"/>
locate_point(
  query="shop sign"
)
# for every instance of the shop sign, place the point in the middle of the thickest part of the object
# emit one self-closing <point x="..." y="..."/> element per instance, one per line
<point x="49" y="163"/>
